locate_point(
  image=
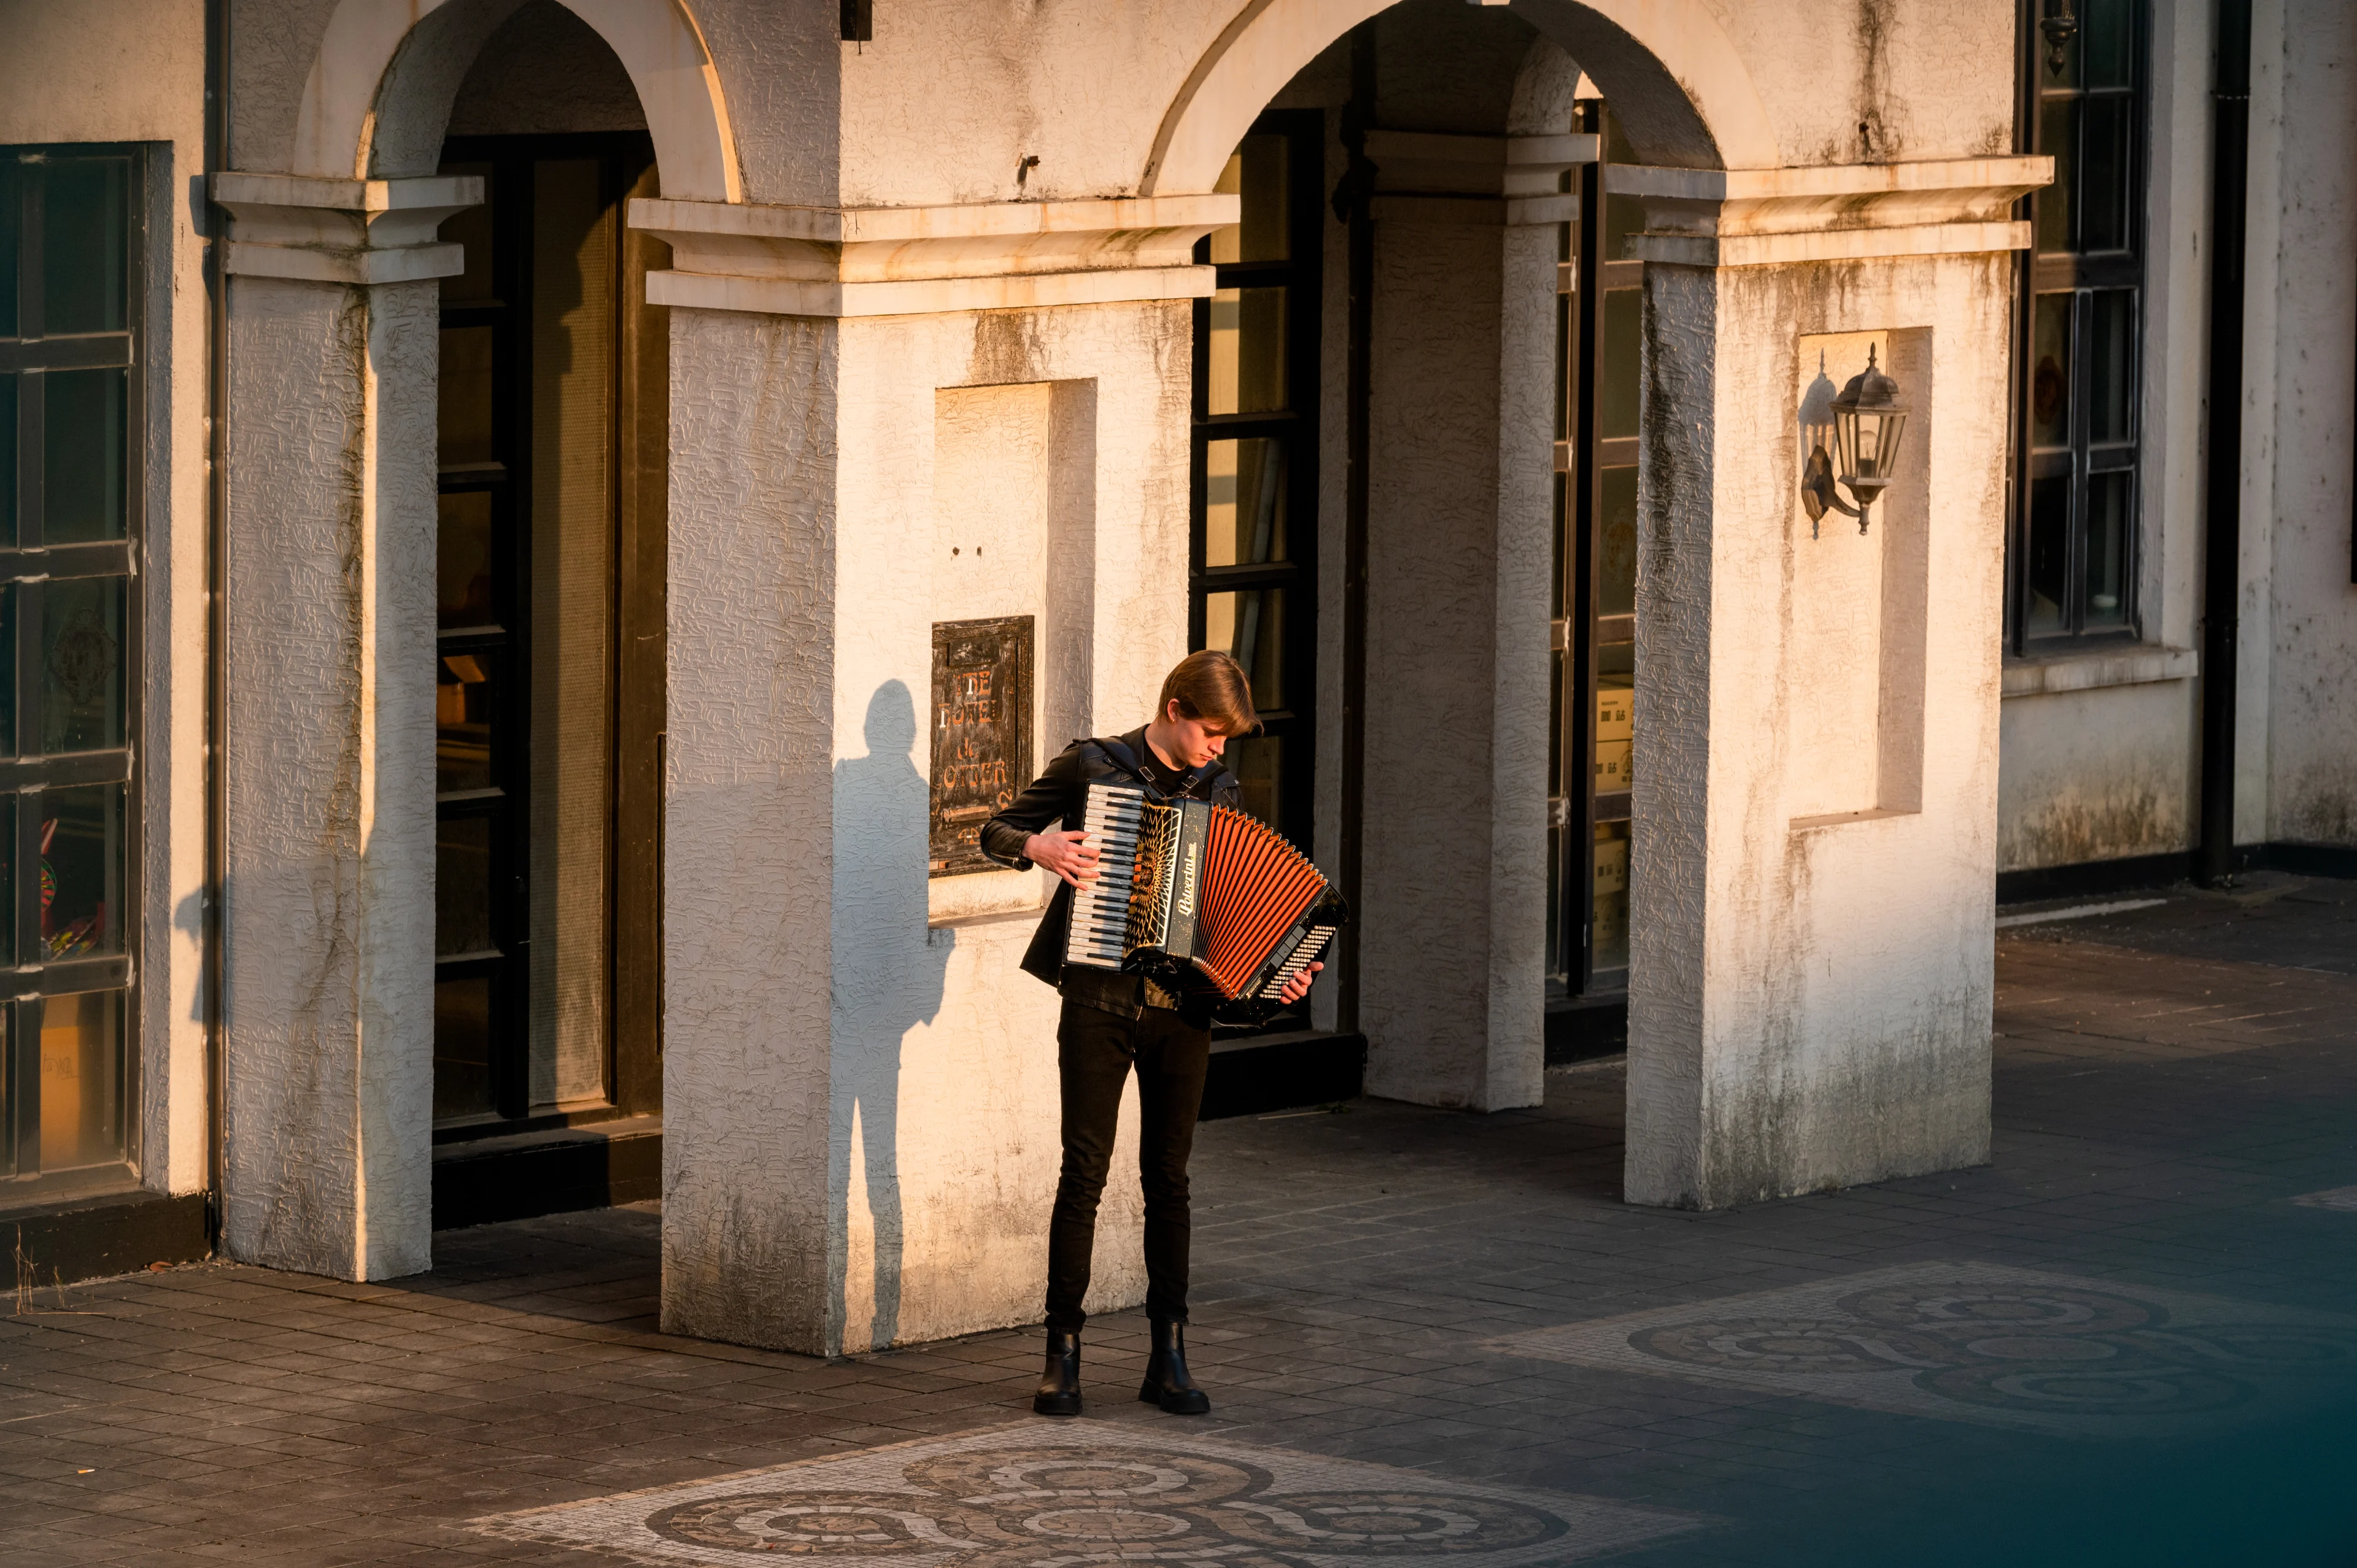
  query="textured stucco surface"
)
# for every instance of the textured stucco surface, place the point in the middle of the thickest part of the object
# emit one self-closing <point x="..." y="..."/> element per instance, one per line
<point x="859" y="1128"/>
<point x="133" y="70"/>
<point x="544" y="71"/>
<point x="2307" y="414"/>
<point x="330" y="891"/>
<point x="1458" y="539"/>
<point x="1769" y="1051"/>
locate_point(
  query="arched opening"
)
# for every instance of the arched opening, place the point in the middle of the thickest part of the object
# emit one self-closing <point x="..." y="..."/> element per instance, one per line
<point x="552" y="416"/>
<point x="1492" y="331"/>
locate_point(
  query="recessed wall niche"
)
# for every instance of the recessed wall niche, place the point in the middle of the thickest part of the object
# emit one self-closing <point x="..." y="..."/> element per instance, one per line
<point x="1014" y="535"/>
<point x="1854" y="643"/>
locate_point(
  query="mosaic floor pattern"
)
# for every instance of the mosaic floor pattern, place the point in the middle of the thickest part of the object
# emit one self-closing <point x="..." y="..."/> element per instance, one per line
<point x="2340" y="1198"/>
<point x="1067" y="1494"/>
<point x="1982" y="1343"/>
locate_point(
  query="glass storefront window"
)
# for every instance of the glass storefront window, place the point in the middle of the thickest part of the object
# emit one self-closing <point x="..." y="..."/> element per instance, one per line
<point x="2073" y="560"/>
<point x="82" y="1081"/>
<point x="68" y="645"/>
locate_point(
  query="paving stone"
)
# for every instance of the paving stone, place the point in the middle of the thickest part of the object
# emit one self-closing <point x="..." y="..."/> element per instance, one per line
<point x="2176" y="1130"/>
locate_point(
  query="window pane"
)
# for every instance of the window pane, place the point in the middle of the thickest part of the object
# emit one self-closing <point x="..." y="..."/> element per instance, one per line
<point x="8" y="955"/>
<point x="7" y="455"/>
<point x="471" y="230"/>
<point x="11" y="215"/>
<point x="1558" y="671"/>
<point x="2111" y="371"/>
<point x="82" y="1079"/>
<point x="1258" y="763"/>
<point x="1247" y="351"/>
<point x="81" y="860"/>
<point x="1616" y="363"/>
<point x="462" y="886"/>
<point x="84" y="205"/>
<point x="1555" y="913"/>
<point x="2107" y="550"/>
<point x="463" y="561"/>
<point x="1623" y="215"/>
<point x="465" y="403"/>
<point x="2058" y="135"/>
<point x="1250" y="628"/>
<point x="1243" y="502"/>
<point x="1615" y="542"/>
<point x="82" y="664"/>
<point x="2107" y="39"/>
<point x="2050" y="377"/>
<point x="81" y="445"/>
<point x="8" y="747"/>
<point x="462" y="1048"/>
<point x="2104" y="174"/>
<point x="2050" y="555"/>
<point x="1610" y="949"/>
<point x="466" y="697"/>
<point x="1260" y="173"/>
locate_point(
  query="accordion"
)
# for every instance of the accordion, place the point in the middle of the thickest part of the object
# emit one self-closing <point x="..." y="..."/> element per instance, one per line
<point x="1201" y="899"/>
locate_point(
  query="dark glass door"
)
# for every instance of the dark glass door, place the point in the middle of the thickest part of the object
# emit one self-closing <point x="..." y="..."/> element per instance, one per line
<point x="550" y="611"/>
<point x="1595" y="639"/>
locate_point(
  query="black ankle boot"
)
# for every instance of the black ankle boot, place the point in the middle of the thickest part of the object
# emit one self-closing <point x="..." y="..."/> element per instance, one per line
<point x="1059" y="1385"/>
<point x="1166" y="1382"/>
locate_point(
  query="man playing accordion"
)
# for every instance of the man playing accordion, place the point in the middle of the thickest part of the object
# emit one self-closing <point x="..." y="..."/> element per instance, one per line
<point x="1113" y="1022"/>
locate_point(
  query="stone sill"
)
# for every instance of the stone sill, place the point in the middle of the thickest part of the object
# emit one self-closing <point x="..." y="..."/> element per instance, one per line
<point x="2129" y="664"/>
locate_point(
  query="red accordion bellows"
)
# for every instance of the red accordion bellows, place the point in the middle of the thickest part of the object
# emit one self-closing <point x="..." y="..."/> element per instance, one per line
<point x="1256" y="886"/>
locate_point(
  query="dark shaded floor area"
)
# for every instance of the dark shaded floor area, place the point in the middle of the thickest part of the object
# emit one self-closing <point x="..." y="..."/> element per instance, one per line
<point x="2169" y="1080"/>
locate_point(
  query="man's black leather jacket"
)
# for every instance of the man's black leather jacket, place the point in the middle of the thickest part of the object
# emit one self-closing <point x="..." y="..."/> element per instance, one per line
<point x="1058" y="798"/>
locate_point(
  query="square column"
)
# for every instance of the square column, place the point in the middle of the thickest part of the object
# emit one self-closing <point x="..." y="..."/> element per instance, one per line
<point x="1816" y="722"/>
<point x="1453" y="922"/>
<point x="860" y="1099"/>
<point x="328" y="919"/>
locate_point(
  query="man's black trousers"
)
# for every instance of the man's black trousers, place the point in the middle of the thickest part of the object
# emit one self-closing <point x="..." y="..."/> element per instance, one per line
<point x="1094" y="1052"/>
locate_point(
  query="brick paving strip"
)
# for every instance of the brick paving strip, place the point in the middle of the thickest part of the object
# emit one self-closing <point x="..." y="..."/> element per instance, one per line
<point x="1358" y="1275"/>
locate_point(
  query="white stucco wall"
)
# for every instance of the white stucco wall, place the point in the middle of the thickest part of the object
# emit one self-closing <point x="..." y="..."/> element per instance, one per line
<point x="328" y="937"/>
<point x="133" y="70"/>
<point x="2305" y="613"/>
<point x="1771" y="1051"/>
<point x="810" y="993"/>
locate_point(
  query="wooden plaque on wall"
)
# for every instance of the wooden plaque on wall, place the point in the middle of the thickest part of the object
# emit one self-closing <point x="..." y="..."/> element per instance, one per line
<point x="982" y="734"/>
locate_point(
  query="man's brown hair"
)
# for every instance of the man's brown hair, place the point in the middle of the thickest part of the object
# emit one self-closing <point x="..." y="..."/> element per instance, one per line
<point x="1211" y="687"/>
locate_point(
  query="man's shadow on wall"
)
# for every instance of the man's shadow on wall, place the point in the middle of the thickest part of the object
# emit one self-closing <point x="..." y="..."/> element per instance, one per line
<point x="889" y="970"/>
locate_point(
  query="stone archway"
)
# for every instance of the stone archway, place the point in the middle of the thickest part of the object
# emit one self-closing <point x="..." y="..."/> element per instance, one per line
<point x="1687" y="97"/>
<point x="379" y="89"/>
<point x="1809" y="1002"/>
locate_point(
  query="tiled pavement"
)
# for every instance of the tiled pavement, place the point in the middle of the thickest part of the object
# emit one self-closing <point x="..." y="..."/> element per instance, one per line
<point x="1393" y="1287"/>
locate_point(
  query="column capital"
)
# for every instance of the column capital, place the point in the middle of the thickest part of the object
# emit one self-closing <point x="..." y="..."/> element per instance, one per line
<point x="1425" y="177"/>
<point x="917" y="261"/>
<point x="319" y="230"/>
<point x="1837" y="212"/>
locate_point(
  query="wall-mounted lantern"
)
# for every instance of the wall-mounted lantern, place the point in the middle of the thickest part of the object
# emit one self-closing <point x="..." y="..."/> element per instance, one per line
<point x="1868" y="422"/>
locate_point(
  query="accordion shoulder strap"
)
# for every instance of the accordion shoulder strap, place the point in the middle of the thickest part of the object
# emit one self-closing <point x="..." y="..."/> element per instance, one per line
<point x="1118" y="753"/>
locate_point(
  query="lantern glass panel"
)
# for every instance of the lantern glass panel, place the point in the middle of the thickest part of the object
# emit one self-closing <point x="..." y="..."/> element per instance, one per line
<point x="1879" y="443"/>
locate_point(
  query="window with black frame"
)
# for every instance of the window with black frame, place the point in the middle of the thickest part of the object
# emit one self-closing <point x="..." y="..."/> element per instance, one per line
<point x="2075" y="533"/>
<point x="1253" y="577"/>
<point x="70" y="270"/>
<point x="1597" y="336"/>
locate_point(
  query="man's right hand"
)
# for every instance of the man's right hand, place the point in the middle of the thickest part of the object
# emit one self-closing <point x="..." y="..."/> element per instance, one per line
<point x="1063" y="853"/>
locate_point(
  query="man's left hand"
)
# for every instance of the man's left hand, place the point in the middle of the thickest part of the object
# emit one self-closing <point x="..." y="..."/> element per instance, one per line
<point x="1298" y="987"/>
